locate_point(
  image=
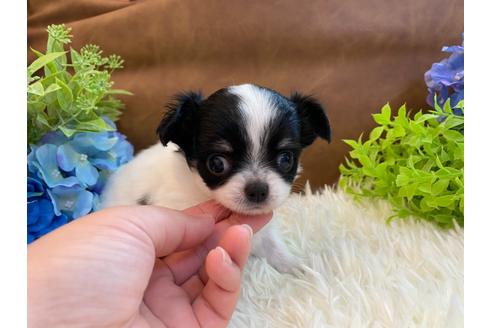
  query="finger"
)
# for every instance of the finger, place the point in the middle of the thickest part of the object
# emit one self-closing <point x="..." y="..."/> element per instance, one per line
<point x="166" y="230"/>
<point x="256" y="222"/>
<point x="226" y="276"/>
<point x="209" y="208"/>
<point x="186" y="263"/>
<point x="218" y="299"/>
<point x="193" y="287"/>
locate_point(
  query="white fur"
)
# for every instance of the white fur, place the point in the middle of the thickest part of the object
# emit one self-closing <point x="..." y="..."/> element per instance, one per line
<point x="161" y="174"/>
<point x="257" y="110"/>
<point x="358" y="270"/>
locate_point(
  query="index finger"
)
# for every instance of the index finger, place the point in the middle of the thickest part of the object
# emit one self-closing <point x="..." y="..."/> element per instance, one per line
<point x="209" y="208"/>
<point x="220" y="213"/>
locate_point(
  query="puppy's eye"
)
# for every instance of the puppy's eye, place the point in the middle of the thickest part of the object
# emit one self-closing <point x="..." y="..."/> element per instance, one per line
<point x="285" y="161"/>
<point x="217" y="164"/>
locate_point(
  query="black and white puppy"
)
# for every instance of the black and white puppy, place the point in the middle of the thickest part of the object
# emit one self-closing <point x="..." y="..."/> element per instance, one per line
<point x="240" y="146"/>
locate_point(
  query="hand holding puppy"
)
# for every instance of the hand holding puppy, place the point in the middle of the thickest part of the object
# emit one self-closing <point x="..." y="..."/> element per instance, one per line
<point x="141" y="265"/>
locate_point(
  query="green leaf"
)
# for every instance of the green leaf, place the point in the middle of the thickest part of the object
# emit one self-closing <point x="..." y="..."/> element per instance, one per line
<point x="51" y="88"/>
<point x="43" y="61"/>
<point x="97" y="124"/>
<point x="36" y="89"/>
<point x="64" y="95"/>
<point x="37" y="53"/>
<point x="444" y="201"/>
<point x="425" y="187"/>
<point x="67" y="131"/>
<point x="76" y="59"/>
<point x="35" y="106"/>
<point x="453" y="135"/>
<point x="376" y="133"/>
<point x="439" y="187"/>
<point x="399" y="131"/>
<point x="42" y="120"/>
<point x="386" y="111"/>
<point x="402" y="180"/>
<point x="352" y="143"/>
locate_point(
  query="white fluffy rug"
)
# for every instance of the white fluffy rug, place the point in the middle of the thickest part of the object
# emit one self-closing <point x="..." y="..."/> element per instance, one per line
<point x="359" y="271"/>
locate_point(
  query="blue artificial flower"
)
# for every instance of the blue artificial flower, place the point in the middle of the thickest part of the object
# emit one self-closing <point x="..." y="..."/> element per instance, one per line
<point x="42" y="159"/>
<point x="446" y="79"/>
<point x="70" y="174"/>
<point x="41" y="218"/>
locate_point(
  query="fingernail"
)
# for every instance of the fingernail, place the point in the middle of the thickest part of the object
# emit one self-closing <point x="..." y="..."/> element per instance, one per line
<point x="225" y="257"/>
<point x="249" y="229"/>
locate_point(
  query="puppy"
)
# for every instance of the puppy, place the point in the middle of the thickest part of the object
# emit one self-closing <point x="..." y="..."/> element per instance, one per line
<point x="240" y="146"/>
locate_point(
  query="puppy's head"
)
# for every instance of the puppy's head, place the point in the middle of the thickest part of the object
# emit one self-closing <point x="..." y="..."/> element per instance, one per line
<point x="245" y="142"/>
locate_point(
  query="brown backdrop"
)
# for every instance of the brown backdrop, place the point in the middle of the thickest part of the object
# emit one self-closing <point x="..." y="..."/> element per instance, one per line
<point x="353" y="55"/>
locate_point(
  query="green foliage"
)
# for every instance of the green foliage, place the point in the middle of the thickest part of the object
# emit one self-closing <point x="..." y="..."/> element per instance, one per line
<point x="417" y="164"/>
<point x="74" y="91"/>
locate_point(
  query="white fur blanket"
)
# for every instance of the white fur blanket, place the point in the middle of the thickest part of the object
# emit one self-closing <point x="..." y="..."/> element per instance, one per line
<point x="359" y="271"/>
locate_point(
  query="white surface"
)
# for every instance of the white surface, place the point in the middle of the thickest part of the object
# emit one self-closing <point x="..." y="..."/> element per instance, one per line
<point x="359" y="271"/>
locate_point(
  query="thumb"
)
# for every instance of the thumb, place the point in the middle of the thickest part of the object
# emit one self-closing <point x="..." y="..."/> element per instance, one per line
<point x="165" y="229"/>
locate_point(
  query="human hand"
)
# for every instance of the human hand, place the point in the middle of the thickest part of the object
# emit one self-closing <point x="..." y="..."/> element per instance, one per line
<point x="140" y="266"/>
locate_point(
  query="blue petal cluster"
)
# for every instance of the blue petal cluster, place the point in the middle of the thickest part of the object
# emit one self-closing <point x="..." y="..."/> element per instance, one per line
<point x="446" y="79"/>
<point x="66" y="176"/>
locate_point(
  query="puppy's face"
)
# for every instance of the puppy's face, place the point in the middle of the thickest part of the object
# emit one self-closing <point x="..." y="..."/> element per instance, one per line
<point x="245" y="142"/>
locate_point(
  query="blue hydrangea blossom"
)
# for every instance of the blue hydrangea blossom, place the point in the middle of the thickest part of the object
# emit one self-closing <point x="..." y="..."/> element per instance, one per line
<point x="41" y="218"/>
<point x="67" y="175"/>
<point x="446" y="79"/>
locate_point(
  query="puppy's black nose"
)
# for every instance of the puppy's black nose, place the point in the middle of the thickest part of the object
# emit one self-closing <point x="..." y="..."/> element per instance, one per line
<point x="256" y="192"/>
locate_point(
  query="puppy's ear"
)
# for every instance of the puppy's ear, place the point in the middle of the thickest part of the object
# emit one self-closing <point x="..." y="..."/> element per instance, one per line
<point x="178" y="124"/>
<point x="314" y="122"/>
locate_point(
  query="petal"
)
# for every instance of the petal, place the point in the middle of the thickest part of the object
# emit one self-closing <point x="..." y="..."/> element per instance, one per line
<point x="45" y="215"/>
<point x="96" y="203"/>
<point x="86" y="173"/>
<point x="124" y="151"/>
<point x="55" y="137"/>
<point x="34" y="188"/>
<point x="458" y="49"/>
<point x="430" y="98"/>
<point x="456" y="98"/>
<point x="64" y="198"/>
<point x="106" y="161"/>
<point x="84" y="204"/>
<point x="31" y="159"/>
<point x="48" y="167"/>
<point x="101" y="182"/>
<point x="32" y="212"/>
<point x="67" y="157"/>
<point x="440" y="73"/>
<point x="456" y="61"/>
<point x="57" y="222"/>
<point x="73" y="201"/>
<point x="92" y="142"/>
